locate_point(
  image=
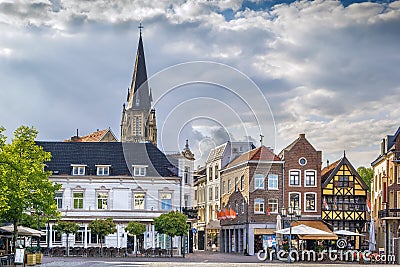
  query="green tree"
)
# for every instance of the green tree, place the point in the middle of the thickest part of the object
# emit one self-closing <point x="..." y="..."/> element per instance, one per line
<point x="24" y="185"/>
<point x="102" y="228"/>
<point x="136" y="229"/>
<point x="172" y="224"/>
<point x="67" y="228"/>
<point x="367" y="174"/>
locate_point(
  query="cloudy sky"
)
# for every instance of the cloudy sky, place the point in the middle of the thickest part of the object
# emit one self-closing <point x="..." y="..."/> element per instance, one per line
<point x="329" y="69"/>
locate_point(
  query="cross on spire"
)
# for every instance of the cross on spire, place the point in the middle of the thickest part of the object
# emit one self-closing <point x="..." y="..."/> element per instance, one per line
<point x="140" y="28"/>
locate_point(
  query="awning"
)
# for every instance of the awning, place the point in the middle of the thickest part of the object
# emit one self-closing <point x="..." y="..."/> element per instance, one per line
<point x="22" y="230"/>
<point x="264" y="231"/>
<point x="213" y="225"/>
<point x="318" y="225"/>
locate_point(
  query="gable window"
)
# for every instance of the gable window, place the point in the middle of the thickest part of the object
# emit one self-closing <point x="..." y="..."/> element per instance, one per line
<point x="259" y="181"/>
<point x="138" y="201"/>
<point x="273" y="205"/>
<point x="310" y="178"/>
<point x="78" y="200"/>
<point x="103" y="170"/>
<point x="216" y="172"/>
<point x="343" y="181"/>
<point x="294" y="200"/>
<point x="242" y="183"/>
<point x="139" y="170"/>
<point x="166" y="201"/>
<point x="78" y="169"/>
<point x="273" y="181"/>
<point x="102" y="201"/>
<point x="59" y="199"/>
<point x="229" y="186"/>
<point x="310" y="199"/>
<point x="259" y="205"/>
<point x="223" y="187"/>
<point x="294" y="177"/>
<point x="210" y="172"/>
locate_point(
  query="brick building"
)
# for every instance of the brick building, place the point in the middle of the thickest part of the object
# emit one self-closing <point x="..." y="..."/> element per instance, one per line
<point x="251" y="186"/>
<point x="302" y="178"/>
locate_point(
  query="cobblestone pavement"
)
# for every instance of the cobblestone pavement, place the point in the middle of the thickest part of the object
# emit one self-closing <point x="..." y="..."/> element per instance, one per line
<point x="194" y="259"/>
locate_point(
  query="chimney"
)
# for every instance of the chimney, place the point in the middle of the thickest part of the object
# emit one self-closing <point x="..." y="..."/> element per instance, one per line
<point x="327" y="163"/>
<point x="302" y="135"/>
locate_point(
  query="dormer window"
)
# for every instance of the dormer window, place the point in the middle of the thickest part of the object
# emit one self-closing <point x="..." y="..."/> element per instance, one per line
<point x="139" y="170"/>
<point x="78" y="169"/>
<point x="103" y="170"/>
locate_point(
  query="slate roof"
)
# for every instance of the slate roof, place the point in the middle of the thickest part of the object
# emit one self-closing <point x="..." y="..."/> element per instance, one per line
<point x="121" y="157"/>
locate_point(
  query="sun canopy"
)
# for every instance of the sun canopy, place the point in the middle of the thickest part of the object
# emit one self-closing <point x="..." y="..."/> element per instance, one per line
<point x="22" y="230"/>
<point x="307" y="232"/>
<point x="348" y="233"/>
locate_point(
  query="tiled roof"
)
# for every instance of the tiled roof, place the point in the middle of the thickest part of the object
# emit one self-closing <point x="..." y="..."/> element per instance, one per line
<point x="216" y="153"/>
<point x="325" y="172"/>
<point x="121" y="157"/>
<point x="260" y="153"/>
<point x="92" y="137"/>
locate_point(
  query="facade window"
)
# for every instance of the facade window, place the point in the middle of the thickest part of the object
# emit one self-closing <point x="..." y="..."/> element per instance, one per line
<point x="272" y="181"/>
<point x="302" y="161"/>
<point x="138" y="201"/>
<point x="229" y="186"/>
<point x="78" y="169"/>
<point x="216" y="172"/>
<point x="242" y="183"/>
<point x="103" y="170"/>
<point x="343" y="181"/>
<point x="259" y="205"/>
<point x="242" y="206"/>
<point x="294" y="177"/>
<point x="294" y="200"/>
<point x="166" y="201"/>
<point x="210" y="193"/>
<point x="186" y="174"/>
<point x="216" y="193"/>
<point x="273" y="205"/>
<point x="259" y="181"/>
<point x="58" y="196"/>
<point x="186" y="201"/>
<point x="139" y="170"/>
<point x="210" y="173"/>
<point x="223" y="187"/>
<point x="102" y="200"/>
<point x="236" y="184"/>
<point x="310" y="199"/>
<point x="78" y="200"/>
<point x="310" y="178"/>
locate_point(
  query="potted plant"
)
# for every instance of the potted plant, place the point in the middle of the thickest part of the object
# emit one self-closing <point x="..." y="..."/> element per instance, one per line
<point x="39" y="255"/>
<point x="30" y="255"/>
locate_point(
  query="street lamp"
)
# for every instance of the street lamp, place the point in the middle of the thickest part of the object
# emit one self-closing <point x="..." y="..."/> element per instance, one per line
<point x="293" y="215"/>
<point x="39" y="213"/>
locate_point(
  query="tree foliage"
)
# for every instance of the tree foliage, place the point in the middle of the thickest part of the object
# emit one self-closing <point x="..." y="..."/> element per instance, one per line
<point x="367" y="174"/>
<point x="135" y="228"/>
<point x="172" y="224"/>
<point x="67" y="228"/>
<point x="102" y="228"/>
<point x="24" y="185"/>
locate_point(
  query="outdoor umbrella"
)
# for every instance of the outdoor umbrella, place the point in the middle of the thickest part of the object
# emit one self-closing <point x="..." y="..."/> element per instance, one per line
<point x="372" y="241"/>
<point x="348" y="233"/>
<point x="278" y="226"/>
<point x="302" y="230"/>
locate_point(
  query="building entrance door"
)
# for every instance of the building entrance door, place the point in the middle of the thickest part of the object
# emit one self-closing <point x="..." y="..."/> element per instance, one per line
<point x="200" y="240"/>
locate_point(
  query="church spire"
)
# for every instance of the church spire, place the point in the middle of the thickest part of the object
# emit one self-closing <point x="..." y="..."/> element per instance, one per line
<point x="139" y="94"/>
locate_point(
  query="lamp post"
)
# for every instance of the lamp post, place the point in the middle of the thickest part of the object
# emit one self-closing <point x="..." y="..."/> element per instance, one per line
<point x="39" y="213"/>
<point x="293" y="215"/>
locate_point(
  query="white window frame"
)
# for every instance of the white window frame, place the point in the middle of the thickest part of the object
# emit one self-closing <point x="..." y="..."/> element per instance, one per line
<point x="257" y="177"/>
<point x="134" y="200"/>
<point x="273" y="177"/>
<point x="83" y="199"/>
<point x="261" y="203"/>
<point x="139" y="170"/>
<point x="57" y="199"/>
<point x="277" y="205"/>
<point x="305" y="178"/>
<point x="107" y="200"/>
<point x="78" y="169"/>
<point x="103" y="170"/>
<point x="172" y="197"/>
<point x="295" y="193"/>
<point x="315" y="202"/>
<point x="290" y="174"/>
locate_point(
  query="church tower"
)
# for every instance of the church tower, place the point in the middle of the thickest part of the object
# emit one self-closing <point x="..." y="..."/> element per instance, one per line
<point x="138" y="122"/>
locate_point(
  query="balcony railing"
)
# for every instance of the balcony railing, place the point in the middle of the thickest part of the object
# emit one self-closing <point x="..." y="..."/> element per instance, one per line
<point x="389" y="213"/>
